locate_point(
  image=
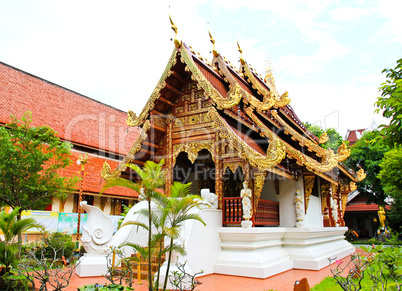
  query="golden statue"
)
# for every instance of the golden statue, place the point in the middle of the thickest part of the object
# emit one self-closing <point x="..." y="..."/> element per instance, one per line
<point x="381" y="216"/>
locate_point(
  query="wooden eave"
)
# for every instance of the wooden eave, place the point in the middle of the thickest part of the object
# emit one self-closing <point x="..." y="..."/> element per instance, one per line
<point x="289" y="113"/>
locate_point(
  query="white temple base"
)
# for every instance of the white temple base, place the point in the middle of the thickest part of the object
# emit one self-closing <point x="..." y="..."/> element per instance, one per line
<point x="263" y="252"/>
<point x="252" y="252"/>
<point x="310" y="248"/>
<point x="92" y="265"/>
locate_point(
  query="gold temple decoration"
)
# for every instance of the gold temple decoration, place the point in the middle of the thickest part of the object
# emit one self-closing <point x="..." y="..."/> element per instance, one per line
<point x="233" y="166"/>
<point x="280" y="101"/>
<point x="343" y="152"/>
<point x="241" y="54"/>
<point x="132" y="119"/>
<point x="352" y="186"/>
<point x="323" y="138"/>
<point x="325" y="191"/>
<point x="214" y="52"/>
<point x="134" y="149"/>
<point x="259" y="181"/>
<point x="308" y="189"/>
<point x="192" y="149"/>
<point x="334" y="190"/>
<point x="204" y="84"/>
<point x="266" y="104"/>
<point x="269" y="77"/>
<point x="328" y="162"/>
<point x="361" y="175"/>
<point x="106" y="172"/>
<point x="274" y="155"/>
<point x="302" y="140"/>
<point x="344" y="201"/>
<point x="177" y="42"/>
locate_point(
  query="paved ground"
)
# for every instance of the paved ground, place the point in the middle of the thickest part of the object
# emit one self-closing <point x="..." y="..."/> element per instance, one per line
<point x="281" y="282"/>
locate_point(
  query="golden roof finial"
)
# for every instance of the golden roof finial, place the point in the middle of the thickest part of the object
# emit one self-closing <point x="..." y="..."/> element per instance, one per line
<point x="241" y="54"/>
<point x="269" y="77"/>
<point x="177" y="42"/>
<point x="214" y="51"/>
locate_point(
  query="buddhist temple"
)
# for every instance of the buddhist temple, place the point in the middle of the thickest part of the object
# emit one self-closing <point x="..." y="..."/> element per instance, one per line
<point x="217" y="126"/>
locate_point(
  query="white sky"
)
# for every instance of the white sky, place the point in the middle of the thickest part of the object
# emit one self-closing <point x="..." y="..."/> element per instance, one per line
<point x="327" y="54"/>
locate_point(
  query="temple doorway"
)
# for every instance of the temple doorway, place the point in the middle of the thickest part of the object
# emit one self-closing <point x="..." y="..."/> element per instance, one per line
<point x="201" y="174"/>
<point x="232" y="182"/>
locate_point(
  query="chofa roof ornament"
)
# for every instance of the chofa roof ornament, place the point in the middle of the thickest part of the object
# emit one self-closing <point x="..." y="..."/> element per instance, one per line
<point x="241" y="54"/>
<point x="214" y="51"/>
<point x="177" y="42"/>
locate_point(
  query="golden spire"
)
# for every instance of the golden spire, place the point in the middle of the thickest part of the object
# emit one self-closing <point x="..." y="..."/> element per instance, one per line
<point x="269" y="77"/>
<point x="241" y="54"/>
<point x="215" y="53"/>
<point x="177" y="42"/>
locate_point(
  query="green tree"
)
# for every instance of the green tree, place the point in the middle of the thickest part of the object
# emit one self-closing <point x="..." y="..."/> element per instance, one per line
<point x="30" y="158"/>
<point x="334" y="138"/>
<point x="391" y="179"/>
<point x="367" y="153"/>
<point x="390" y="103"/>
<point x="12" y="229"/>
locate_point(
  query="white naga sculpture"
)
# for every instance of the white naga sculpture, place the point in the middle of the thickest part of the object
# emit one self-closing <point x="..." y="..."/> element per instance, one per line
<point x="209" y="199"/>
<point x="299" y="206"/>
<point x="98" y="238"/>
<point x="245" y="194"/>
<point x="97" y="231"/>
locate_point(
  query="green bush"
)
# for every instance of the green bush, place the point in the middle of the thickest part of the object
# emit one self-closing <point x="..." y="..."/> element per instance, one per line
<point x="61" y="243"/>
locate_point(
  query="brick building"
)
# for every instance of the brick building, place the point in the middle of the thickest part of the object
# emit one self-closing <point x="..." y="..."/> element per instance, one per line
<point x="91" y="126"/>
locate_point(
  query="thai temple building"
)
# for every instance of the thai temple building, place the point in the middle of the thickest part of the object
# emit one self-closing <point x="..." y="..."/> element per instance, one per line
<point x="218" y="126"/>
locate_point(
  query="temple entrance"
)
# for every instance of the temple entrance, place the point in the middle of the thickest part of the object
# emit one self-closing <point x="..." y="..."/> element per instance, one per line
<point x="201" y="174"/>
<point x="232" y="182"/>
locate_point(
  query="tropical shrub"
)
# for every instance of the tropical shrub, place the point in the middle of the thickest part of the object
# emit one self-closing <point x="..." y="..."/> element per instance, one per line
<point x="379" y="268"/>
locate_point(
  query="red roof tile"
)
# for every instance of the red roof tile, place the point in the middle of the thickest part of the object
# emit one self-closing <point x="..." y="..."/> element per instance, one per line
<point x="75" y="117"/>
<point x="92" y="181"/>
<point x="363" y="207"/>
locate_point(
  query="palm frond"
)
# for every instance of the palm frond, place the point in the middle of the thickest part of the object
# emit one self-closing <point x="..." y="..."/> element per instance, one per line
<point x="120" y="182"/>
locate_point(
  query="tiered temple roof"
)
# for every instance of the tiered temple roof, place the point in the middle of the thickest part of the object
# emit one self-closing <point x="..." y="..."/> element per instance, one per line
<point x="236" y="105"/>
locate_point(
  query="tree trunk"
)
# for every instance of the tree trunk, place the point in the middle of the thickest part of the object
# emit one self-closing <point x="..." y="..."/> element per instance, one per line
<point x="168" y="264"/>
<point x="149" y="246"/>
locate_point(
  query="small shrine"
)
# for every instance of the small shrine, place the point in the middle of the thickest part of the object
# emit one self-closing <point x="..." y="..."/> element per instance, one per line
<point x="218" y="127"/>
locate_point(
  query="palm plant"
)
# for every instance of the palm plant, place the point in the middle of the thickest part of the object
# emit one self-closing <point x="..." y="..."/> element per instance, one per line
<point x="167" y="222"/>
<point x="177" y="209"/>
<point x="152" y="178"/>
<point x="12" y="228"/>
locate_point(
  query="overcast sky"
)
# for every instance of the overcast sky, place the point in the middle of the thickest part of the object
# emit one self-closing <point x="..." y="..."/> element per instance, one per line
<point x="327" y="54"/>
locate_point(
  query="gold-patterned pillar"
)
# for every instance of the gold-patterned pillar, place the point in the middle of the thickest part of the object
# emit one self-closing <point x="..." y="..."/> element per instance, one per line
<point x="343" y="195"/>
<point x="308" y="189"/>
<point x="218" y="170"/>
<point x="168" y="152"/>
<point x="259" y="181"/>
<point x="325" y="194"/>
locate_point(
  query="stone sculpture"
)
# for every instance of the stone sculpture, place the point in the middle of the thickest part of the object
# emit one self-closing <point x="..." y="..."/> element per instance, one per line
<point x="299" y="207"/>
<point x="245" y="194"/>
